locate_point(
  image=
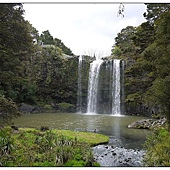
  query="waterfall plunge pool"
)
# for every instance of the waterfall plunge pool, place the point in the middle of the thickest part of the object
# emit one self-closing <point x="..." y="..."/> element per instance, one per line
<point x="113" y="126"/>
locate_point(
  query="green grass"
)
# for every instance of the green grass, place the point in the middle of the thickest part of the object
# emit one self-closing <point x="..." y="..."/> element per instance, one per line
<point x="157" y="148"/>
<point x="33" y="147"/>
<point x="89" y="137"/>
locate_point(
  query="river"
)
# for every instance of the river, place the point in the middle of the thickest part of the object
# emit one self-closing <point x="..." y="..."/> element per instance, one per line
<point x="113" y="126"/>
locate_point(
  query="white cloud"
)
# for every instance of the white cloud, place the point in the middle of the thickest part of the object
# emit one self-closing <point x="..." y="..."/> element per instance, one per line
<point x="84" y="26"/>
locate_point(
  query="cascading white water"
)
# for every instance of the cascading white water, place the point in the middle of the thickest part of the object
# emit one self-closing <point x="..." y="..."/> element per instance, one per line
<point x="79" y="92"/>
<point x="122" y="86"/>
<point x="116" y="96"/>
<point x="93" y="86"/>
<point x="106" y="96"/>
<point x="110" y="85"/>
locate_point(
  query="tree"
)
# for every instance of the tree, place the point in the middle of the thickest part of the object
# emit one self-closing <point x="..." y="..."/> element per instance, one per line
<point x="160" y="88"/>
<point x="57" y="79"/>
<point x="121" y="10"/>
<point x="8" y="111"/>
<point x="155" y="10"/>
<point x="116" y="51"/>
<point x="60" y="44"/>
<point x="15" y="47"/>
<point x="125" y="42"/>
<point x="47" y="38"/>
<point x="144" y="36"/>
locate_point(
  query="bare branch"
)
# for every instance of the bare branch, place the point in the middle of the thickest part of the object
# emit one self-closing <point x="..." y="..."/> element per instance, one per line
<point x="121" y="10"/>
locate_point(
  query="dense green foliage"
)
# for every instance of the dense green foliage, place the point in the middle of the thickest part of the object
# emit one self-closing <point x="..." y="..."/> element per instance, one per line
<point x="31" y="147"/>
<point x="45" y="74"/>
<point x="48" y="39"/>
<point x="55" y="76"/>
<point x="30" y="72"/>
<point x="8" y="111"/>
<point x="15" y="47"/>
<point x="65" y="107"/>
<point x="145" y="50"/>
<point x="157" y="148"/>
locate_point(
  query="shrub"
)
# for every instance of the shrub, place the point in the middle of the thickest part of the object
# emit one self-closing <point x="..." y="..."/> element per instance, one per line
<point x="8" y="111"/>
<point x="47" y="106"/>
<point x="157" y="148"/>
<point x="65" y="107"/>
<point x="37" y="148"/>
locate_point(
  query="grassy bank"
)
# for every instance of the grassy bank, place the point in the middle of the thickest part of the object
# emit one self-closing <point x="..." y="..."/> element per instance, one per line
<point x="33" y="147"/>
<point x="157" y="148"/>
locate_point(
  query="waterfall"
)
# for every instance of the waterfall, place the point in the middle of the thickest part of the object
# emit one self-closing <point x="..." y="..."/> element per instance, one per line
<point x="122" y="86"/>
<point x="93" y="86"/>
<point x="116" y="93"/>
<point x="110" y="85"/>
<point x="105" y="92"/>
<point x="79" y="92"/>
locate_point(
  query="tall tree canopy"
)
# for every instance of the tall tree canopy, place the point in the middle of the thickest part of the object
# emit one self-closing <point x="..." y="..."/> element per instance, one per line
<point x="147" y="78"/>
<point x="48" y="39"/>
<point x="154" y="10"/>
<point x="15" y="46"/>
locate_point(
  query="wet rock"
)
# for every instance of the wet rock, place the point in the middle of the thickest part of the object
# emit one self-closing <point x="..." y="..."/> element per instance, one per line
<point x="114" y="153"/>
<point x="26" y="108"/>
<point x="119" y="157"/>
<point x="126" y="160"/>
<point x="147" y="123"/>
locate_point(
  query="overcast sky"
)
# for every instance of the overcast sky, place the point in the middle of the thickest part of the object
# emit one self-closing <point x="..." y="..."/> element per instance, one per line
<point x="84" y="28"/>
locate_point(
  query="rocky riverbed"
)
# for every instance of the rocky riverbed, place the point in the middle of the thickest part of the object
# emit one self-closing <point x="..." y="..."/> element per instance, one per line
<point x="111" y="156"/>
<point x="116" y="155"/>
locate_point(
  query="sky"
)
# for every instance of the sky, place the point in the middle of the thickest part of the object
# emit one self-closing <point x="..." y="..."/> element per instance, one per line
<point x="84" y="28"/>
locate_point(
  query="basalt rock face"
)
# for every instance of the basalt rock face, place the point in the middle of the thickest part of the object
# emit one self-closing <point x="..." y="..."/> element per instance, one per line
<point x="147" y="123"/>
<point x="141" y="109"/>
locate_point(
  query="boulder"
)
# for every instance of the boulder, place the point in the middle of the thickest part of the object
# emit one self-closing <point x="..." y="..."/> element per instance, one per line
<point x="26" y="108"/>
<point x="147" y="123"/>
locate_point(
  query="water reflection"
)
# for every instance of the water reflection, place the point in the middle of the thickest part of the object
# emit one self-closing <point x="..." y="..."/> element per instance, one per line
<point x="113" y="126"/>
<point x="116" y="131"/>
<point x="91" y="124"/>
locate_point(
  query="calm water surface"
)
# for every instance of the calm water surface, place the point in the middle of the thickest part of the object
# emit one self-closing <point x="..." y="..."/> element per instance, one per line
<point x="112" y="126"/>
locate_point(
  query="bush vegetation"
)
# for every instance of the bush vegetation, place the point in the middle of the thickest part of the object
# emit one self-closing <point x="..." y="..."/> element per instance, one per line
<point x="32" y="147"/>
<point x="65" y="107"/>
<point x="8" y="111"/>
<point x="157" y="148"/>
